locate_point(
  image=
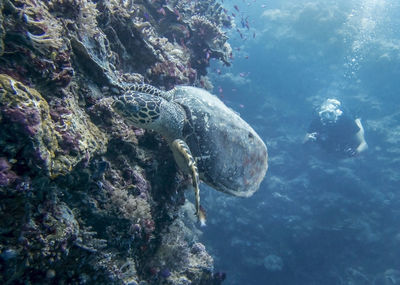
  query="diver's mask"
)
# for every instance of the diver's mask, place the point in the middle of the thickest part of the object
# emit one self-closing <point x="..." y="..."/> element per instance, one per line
<point x="329" y="112"/>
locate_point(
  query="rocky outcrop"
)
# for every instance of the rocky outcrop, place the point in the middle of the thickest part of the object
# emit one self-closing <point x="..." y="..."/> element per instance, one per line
<point x="85" y="198"/>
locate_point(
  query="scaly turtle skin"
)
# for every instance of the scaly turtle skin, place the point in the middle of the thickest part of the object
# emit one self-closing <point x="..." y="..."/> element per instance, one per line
<point x="207" y="138"/>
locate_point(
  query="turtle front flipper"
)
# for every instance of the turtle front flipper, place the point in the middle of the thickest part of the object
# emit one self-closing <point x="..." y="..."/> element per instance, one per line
<point x="187" y="164"/>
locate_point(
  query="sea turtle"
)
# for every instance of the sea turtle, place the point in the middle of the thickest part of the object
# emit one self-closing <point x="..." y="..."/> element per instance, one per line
<point x="209" y="141"/>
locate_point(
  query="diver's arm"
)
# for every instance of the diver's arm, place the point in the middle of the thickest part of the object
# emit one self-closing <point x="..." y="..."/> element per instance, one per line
<point x="313" y="131"/>
<point x="310" y="137"/>
<point x="360" y="137"/>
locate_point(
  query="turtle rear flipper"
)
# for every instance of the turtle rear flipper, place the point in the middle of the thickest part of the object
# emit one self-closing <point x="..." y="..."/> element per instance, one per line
<point x="185" y="161"/>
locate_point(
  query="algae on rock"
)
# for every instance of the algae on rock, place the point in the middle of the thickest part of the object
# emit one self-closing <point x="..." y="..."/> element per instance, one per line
<point x="52" y="147"/>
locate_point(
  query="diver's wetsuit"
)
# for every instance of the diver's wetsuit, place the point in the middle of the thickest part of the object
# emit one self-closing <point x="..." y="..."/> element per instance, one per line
<point x="339" y="137"/>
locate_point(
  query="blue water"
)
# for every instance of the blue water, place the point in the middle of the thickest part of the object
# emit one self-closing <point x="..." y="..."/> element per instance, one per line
<point x="316" y="219"/>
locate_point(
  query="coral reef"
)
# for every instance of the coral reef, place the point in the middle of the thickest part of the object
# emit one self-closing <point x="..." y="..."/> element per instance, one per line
<point x="85" y="198"/>
<point x="208" y="40"/>
<point x="44" y="139"/>
<point x="165" y="38"/>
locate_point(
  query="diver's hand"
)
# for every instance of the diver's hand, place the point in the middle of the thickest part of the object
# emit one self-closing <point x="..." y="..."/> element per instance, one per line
<point x="351" y="152"/>
<point x="310" y="137"/>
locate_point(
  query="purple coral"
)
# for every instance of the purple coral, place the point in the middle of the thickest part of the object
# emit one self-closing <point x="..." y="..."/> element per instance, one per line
<point x="149" y="226"/>
<point x="70" y="142"/>
<point x="198" y="248"/>
<point x="4" y="181"/>
<point x="6" y="175"/>
<point x="4" y="164"/>
<point x="27" y="118"/>
<point x="58" y="111"/>
<point x="141" y="184"/>
<point x="164" y="273"/>
<point x="64" y="77"/>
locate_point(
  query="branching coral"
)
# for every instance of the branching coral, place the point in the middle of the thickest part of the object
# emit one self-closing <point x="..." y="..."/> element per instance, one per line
<point x="83" y="13"/>
<point x="172" y="47"/>
<point x="211" y="9"/>
<point x="47" y="29"/>
<point x="135" y="209"/>
<point x="44" y="42"/>
<point x="210" y="38"/>
<point x="41" y="51"/>
<point x="175" y="263"/>
<point x="206" y="30"/>
<point x="173" y="251"/>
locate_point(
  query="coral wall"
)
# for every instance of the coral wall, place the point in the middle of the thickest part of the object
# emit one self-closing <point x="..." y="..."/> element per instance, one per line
<point x="85" y="198"/>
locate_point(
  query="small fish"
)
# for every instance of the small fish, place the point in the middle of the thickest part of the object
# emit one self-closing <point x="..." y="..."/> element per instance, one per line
<point x="233" y="14"/>
<point x="180" y="67"/>
<point x="236" y="8"/>
<point x="146" y="16"/>
<point x="179" y="17"/>
<point x="218" y="71"/>
<point x="220" y="90"/>
<point x="242" y="74"/>
<point x="183" y="44"/>
<point x="254" y="35"/>
<point x="161" y="11"/>
<point x="241" y="105"/>
<point x="240" y="33"/>
<point x="184" y="30"/>
<point x="207" y="55"/>
<point x="242" y="22"/>
<point x="246" y="57"/>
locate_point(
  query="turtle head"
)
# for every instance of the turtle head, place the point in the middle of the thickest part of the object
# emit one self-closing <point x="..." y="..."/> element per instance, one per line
<point x="142" y="110"/>
<point x="151" y="112"/>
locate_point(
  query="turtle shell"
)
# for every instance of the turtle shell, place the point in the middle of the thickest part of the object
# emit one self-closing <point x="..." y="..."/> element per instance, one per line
<point x="230" y="155"/>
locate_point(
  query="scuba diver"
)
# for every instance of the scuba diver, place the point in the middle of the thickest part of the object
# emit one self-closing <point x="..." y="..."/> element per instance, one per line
<point x="335" y="131"/>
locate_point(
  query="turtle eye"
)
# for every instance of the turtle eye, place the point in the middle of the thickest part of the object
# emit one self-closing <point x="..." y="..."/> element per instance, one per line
<point x="117" y="104"/>
<point x="251" y="136"/>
